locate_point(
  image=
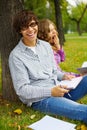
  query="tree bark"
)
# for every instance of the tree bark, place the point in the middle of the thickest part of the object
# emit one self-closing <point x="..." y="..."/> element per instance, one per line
<point x="78" y="28"/>
<point x="8" y="39"/>
<point x="59" y="21"/>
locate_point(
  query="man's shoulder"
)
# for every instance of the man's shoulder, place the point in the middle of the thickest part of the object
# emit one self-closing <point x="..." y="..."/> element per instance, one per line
<point x="15" y="50"/>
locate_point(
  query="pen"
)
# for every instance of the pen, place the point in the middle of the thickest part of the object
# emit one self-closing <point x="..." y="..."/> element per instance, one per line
<point x="69" y="95"/>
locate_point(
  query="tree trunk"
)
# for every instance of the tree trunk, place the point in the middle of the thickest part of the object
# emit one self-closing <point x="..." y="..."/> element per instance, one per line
<point x="8" y="39"/>
<point x="59" y="21"/>
<point x="78" y="28"/>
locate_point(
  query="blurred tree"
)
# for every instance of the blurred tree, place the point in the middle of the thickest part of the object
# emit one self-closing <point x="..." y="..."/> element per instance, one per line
<point x="65" y="18"/>
<point x="59" y="20"/>
<point x="37" y="6"/>
<point x="8" y="39"/>
<point x="76" y="14"/>
<point x="42" y="8"/>
<point x="83" y="24"/>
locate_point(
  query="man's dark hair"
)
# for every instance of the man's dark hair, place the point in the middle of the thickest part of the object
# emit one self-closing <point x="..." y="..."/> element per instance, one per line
<point x="22" y="19"/>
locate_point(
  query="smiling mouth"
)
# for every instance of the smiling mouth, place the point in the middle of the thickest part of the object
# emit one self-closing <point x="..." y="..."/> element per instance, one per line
<point x="31" y="35"/>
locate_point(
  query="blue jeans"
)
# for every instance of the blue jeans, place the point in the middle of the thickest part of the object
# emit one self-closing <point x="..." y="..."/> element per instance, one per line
<point x="66" y="106"/>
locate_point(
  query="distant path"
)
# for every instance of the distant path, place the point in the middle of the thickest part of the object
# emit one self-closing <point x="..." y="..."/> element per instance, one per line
<point x="75" y="37"/>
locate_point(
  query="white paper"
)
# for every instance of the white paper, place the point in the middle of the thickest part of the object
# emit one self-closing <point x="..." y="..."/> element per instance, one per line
<point x="84" y="64"/>
<point x="83" y="68"/>
<point x="50" y="123"/>
<point x="71" y="84"/>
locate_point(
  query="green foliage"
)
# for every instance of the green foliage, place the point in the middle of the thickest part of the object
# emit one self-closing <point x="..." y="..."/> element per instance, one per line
<point x="77" y="11"/>
<point x="37" y="6"/>
<point x="42" y="8"/>
<point x="51" y="11"/>
<point x="74" y="12"/>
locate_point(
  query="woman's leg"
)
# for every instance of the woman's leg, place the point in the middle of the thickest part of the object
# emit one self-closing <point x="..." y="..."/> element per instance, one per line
<point x="63" y="107"/>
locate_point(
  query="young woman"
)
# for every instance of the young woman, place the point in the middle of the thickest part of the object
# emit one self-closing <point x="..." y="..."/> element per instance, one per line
<point x="48" y="32"/>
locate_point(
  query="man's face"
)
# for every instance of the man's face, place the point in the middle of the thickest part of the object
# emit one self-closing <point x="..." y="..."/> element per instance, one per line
<point x="30" y="33"/>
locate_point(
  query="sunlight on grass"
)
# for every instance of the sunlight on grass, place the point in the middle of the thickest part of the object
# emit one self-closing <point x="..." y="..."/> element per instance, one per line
<point x="76" y="53"/>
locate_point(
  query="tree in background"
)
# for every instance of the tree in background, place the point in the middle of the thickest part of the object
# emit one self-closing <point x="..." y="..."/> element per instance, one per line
<point x="8" y="39"/>
<point x="59" y="22"/>
<point x="37" y="6"/>
<point x="77" y="14"/>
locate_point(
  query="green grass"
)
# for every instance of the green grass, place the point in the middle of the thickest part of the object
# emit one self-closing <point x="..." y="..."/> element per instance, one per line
<point x="76" y="52"/>
<point x="75" y="34"/>
<point x="11" y="121"/>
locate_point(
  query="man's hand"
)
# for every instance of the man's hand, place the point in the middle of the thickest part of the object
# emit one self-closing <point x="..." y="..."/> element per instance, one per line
<point x="59" y="91"/>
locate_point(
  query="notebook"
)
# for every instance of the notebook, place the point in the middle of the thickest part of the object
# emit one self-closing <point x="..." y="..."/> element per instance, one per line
<point x="83" y="68"/>
<point x="71" y="84"/>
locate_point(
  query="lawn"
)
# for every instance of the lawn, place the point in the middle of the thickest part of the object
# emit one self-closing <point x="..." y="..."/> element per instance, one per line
<point x="76" y="52"/>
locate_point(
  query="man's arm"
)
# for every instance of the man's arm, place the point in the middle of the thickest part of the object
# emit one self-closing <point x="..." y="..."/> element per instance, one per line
<point x="21" y="81"/>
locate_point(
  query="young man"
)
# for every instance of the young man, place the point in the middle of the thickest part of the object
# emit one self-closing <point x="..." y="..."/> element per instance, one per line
<point x="36" y="77"/>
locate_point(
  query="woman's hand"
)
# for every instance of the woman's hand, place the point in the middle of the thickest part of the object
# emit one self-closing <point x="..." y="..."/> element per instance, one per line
<point x="59" y="91"/>
<point x="55" y="40"/>
<point x="68" y="76"/>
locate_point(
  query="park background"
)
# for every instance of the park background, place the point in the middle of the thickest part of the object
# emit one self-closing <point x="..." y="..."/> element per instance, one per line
<point x="71" y="21"/>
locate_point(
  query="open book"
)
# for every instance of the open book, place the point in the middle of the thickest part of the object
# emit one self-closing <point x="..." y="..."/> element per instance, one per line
<point x="83" y="68"/>
<point x="51" y="123"/>
<point x="71" y="84"/>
